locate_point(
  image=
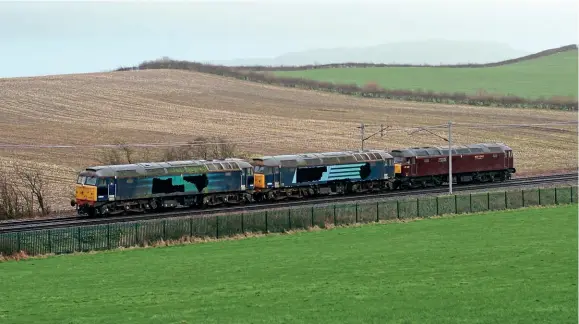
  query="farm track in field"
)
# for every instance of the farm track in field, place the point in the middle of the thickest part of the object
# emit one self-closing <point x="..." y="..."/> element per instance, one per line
<point x="37" y="224"/>
<point x="155" y="106"/>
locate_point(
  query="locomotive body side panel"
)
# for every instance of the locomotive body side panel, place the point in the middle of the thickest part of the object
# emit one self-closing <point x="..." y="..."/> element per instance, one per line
<point x="186" y="184"/>
<point x="461" y="163"/>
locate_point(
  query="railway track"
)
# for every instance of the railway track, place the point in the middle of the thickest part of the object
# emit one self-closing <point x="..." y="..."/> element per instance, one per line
<point x="60" y="222"/>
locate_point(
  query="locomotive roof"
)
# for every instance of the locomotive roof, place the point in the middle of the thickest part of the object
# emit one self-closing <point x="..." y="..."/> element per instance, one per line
<point x="312" y="159"/>
<point x="167" y="168"/>
<point x="456" y="149"/>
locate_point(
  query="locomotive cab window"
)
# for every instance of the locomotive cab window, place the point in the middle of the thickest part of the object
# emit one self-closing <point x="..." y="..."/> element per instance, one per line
<point x="259" y="169"/>
<point x="102" y="182"/>
<point x="80" y="179"/>
<point x="91" y="181"/>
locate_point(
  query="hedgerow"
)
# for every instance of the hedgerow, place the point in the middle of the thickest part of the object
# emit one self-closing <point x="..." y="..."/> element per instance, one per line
<point x="262" y="74"/>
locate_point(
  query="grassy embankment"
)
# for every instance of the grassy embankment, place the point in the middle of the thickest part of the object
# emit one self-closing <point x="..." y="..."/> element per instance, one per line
<point x="505" y="267"/>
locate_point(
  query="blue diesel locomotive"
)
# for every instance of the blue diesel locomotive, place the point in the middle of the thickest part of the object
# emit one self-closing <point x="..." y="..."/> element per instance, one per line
<point x="283" y="176"/>
<point x="114" y="189"/>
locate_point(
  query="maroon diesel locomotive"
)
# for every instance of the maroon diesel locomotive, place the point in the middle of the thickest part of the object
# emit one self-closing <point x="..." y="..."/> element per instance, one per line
<point x="428" y="166"/>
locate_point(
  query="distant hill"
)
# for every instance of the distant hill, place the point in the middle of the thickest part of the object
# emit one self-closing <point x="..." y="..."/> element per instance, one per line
<point x="432" y="52"/>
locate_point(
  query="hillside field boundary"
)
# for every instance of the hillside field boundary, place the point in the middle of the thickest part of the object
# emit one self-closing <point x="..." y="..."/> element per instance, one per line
<point x="529" y="57"/>
<point x="149" y="232"/>
<point x="262" y="74"/>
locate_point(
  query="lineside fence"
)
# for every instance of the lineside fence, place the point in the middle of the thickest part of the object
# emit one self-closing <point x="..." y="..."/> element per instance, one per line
<point x="111" y="236"/>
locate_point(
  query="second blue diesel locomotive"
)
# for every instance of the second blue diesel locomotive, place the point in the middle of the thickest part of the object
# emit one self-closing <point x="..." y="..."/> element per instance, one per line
<point x="283" y="176"/>
<point x="114" y="189"/>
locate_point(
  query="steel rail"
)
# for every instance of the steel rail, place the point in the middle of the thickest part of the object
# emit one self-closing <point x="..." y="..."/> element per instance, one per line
<point x="37" y="224"/>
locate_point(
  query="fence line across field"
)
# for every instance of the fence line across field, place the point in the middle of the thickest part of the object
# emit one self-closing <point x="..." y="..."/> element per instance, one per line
<point x="111" y="236"/>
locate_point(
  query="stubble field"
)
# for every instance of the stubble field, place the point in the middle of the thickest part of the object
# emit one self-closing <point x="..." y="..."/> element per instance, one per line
<point x="176" y="106"/>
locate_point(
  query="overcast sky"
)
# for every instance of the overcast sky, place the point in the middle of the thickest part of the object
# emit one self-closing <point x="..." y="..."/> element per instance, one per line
<point x="69" y="37"/>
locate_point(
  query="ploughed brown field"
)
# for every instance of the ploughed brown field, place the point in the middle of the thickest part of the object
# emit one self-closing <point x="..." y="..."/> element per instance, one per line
<point x="176" y="106"/>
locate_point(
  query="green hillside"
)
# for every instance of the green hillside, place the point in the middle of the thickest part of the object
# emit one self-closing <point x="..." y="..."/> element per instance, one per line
<point x="501" y="267"/>
<point x="547" y="76"/>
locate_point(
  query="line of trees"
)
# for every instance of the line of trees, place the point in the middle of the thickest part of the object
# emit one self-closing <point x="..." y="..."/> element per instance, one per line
<point x="369" y="90"/>
<point x="200" y="148"/>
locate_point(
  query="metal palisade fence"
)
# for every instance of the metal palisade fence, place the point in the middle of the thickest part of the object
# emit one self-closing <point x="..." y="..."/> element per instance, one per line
<point x="115" y="235"/>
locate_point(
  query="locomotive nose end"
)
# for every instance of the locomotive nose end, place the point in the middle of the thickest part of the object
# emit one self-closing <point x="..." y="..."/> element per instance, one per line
<point x="259" y="181"/>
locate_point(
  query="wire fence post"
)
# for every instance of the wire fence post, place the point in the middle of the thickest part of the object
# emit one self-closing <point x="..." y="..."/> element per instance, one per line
<point x="523" y="197"/>
<point x="216" y="226"/>
<point x="556" y="200"/>
<point x="398" y="209"/>
<point x="137" y="232"/>
<point x="289" y="218"/>
<point x="437" y="209"/>
<point x="242" y="225"/>
<point x="335" y="221"/>
<point x="455" y="205"/>
<point x="470" y="203"/>
<point x="377" y="212"/>
<point x="356" y="213"/>
<point x="79" y="241"/>
<point x="539" y="196"/>
<point x="312" y="209"/>
<point x="191" y="227"/>
<point x="18" y="241"/>
<point x="49" y="241"/>
<point x="109" y="236"/>
<point x="417" y="208"/>
<point x="488" y="201"/>
<point x="266" y="229"/>
<point x="506" y="200"/>
<point x="164" y="229"/>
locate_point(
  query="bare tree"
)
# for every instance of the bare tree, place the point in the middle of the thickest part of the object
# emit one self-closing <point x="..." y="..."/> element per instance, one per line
<point x="128" y="151"/>
<point x="121" y="154"/>
<point x="36" y="183"/>
<point x="11" y="203"/>
<point x="201" y="150"/>
<point x="23" y="193"/>
<point x="109" y="156"/>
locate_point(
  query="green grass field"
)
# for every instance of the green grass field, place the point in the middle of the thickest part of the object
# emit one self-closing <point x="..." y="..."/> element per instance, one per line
<point x="548" y="76"/>
<point x="500" y="267"/>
